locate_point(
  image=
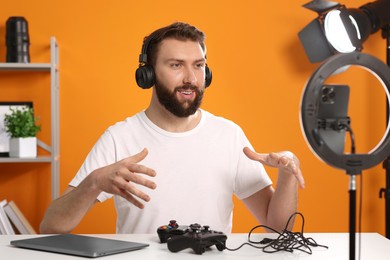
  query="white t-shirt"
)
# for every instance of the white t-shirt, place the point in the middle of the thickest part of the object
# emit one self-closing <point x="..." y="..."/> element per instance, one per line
<point x="198" y="171"/>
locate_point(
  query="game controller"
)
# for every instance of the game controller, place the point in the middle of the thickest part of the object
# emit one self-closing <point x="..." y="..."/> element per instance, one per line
<point x="198" y="238"/>
<point x="172" y="229"/>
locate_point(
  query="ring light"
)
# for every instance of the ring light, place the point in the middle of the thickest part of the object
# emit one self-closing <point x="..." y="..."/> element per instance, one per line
<point x="352" y="163"/>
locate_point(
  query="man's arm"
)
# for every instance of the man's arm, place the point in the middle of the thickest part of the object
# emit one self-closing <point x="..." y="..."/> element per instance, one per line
<point x="272" y="207"/>
<point x="66" y="212"/>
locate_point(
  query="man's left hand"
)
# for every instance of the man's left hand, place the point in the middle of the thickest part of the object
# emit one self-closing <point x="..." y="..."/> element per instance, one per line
<point x="285" y="161"/>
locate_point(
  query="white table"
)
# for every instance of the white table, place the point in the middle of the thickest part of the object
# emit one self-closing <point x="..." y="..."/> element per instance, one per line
<point x="373" y="247"/>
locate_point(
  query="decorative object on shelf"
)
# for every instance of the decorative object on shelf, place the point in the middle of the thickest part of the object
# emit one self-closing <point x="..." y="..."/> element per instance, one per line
<point x="22" y="127"/>
<point x="17" y="39"/>
<point x="4" y="136"/>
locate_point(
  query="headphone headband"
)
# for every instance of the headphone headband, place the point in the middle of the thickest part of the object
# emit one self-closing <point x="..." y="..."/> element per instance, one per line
<point x="143" y="57"/>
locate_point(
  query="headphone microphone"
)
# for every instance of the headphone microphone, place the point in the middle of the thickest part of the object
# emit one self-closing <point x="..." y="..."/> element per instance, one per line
<point x="145" y="76"/>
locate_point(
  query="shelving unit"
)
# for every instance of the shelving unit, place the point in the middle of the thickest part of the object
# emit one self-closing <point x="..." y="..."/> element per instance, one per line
<point x="53" y="158"/>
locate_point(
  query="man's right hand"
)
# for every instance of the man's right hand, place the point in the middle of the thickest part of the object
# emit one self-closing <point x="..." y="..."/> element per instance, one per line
<point x="119" y="178"/>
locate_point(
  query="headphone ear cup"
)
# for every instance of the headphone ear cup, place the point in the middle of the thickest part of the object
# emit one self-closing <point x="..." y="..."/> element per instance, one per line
<point x="145" y="77"/>
<point x="208" y="77"/>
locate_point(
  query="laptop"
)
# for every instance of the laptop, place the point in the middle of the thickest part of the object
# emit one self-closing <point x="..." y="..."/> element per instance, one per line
<point x="78" y="245"/>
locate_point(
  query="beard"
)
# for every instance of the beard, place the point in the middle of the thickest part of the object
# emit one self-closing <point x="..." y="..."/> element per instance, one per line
<point x="176" y="107"/>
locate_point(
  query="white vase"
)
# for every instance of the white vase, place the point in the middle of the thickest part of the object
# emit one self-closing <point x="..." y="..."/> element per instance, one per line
<point x="23" y="147"/>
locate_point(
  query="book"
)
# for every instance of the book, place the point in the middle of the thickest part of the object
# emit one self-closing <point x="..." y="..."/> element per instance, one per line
<point x="7" y="228"/>
<point x="2" y="228"/>
<point x="18" y="219"/>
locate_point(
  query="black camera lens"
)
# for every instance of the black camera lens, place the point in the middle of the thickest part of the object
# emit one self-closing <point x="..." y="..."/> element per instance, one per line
<point x="324" y="98"/>
<point x="17" y="39"/>
<point x="325" y="90"/>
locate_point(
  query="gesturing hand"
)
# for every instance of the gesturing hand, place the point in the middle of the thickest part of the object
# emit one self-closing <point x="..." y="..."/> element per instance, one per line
<point x="119" y="178"/>
<point x="284" y="161"/>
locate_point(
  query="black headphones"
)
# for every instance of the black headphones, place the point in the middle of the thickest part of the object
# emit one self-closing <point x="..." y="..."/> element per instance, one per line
<point x="145" y="75"/>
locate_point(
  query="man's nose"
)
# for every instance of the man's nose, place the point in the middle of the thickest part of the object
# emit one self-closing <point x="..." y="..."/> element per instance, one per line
<point x="189" y="76"/>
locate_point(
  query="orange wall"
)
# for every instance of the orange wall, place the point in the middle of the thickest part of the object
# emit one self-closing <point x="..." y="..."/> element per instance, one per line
<point x="259" y="73"/>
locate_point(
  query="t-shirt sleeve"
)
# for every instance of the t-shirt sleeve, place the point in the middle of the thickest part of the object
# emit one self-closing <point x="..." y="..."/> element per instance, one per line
<point x="102" y="154"/>
<point x="251" y="175"/>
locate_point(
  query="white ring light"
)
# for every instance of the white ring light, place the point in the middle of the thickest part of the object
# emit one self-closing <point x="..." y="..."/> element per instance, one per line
<point x="352" y="163"/>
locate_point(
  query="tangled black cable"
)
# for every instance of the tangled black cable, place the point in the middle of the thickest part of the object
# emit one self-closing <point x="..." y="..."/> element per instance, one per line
<point x="286" y="241"/>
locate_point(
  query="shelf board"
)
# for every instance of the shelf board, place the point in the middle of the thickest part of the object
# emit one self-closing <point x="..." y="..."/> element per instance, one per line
<point x="12" y="66"/>
<point x="38" y="159"/>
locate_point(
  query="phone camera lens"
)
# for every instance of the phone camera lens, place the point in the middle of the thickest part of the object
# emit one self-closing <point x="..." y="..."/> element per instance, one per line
<point x="325" y="91"/>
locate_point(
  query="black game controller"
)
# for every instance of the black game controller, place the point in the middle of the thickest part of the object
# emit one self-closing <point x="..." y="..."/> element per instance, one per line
<point x="198" y="238"/>
<point x="172" y="229"/>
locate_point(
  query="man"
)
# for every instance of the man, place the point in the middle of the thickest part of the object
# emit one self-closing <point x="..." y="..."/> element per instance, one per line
<point x="175" y="160"/>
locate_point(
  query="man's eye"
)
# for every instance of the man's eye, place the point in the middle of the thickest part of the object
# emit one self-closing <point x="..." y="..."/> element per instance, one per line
<point x="175" y="65"/>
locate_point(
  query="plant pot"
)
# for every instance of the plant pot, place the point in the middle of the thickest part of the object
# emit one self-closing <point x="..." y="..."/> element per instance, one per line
<point x="23" y="147"/>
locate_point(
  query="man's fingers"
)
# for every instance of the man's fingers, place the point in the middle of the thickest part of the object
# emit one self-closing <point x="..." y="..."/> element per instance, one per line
<point x="125" y="177"/>
<point x="130" y="198"/>
<point x="255" y="156"/>
<point x="284" y="161"/>
<point x="292" y="166"/>
<point x="135" y="177"/>
<point x="300" y="179"/>
<point x="128" y="174"/>
<point x="131" y="163"/>
<point x="137" y="157"/>
<point x="139" y="168"/>
<point x="267" y="159"/>
<point x="130" y="188"/>
<point x="131" y="171"/>
<point x="125" y="189"/>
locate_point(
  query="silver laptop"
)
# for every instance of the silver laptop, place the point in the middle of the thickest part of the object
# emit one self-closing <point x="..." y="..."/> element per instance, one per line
<point x="78" y="245"/>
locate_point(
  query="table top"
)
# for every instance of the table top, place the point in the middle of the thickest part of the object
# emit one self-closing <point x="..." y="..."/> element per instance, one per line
<point x="373" y="246"/>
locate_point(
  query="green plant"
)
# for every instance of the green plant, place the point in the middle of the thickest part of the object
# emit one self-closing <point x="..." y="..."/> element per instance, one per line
<point x="21" y="123"/>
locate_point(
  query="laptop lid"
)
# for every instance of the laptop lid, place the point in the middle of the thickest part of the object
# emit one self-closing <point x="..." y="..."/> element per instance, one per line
<point x="79" y="245"/>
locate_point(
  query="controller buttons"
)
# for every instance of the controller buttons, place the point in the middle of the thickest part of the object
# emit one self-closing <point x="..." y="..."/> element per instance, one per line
<point x="196" y="228"/>
<point x="173" y="223"/>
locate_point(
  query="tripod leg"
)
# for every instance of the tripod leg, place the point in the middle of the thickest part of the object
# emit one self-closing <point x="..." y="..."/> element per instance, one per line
<point x="352" y="217"/>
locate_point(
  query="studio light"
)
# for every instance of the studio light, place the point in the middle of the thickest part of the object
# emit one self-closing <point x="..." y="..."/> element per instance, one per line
<point x="336" y="37"/>
<point x="336" y="33"/>
<point x="338" y="29"/>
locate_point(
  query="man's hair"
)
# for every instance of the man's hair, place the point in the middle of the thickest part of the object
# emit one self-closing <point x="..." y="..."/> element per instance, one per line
<point x="179" y="31"/>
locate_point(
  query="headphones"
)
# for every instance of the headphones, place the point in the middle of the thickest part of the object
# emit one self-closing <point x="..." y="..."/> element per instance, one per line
<point x="145" y="76"/>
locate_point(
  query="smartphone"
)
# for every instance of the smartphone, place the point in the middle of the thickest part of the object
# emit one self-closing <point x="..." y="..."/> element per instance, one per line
<point x="333" y="110"/>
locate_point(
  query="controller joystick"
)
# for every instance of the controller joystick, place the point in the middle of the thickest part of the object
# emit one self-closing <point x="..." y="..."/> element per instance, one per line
<point x="172" y="229"/>
<point x="198" y="238"/>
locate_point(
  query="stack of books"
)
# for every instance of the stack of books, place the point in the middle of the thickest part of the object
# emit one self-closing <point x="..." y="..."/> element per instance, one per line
<point x="12" y="220"/>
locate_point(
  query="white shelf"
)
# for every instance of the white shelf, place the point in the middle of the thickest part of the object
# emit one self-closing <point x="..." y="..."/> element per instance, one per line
<point x="39" y="159"/>
<point x="53" y="158"/>
<point x="10" y="66"/>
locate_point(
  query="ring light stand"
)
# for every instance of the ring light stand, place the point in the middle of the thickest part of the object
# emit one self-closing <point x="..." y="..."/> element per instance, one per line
<point x="385" y="192"/>
<point x="353" y="163"/>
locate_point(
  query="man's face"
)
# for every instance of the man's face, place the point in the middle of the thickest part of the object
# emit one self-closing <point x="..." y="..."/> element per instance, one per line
<point x="180" y="76"/>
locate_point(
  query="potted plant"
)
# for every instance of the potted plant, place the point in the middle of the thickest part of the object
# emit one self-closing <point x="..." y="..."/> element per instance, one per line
<point x="21" y="125"/>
